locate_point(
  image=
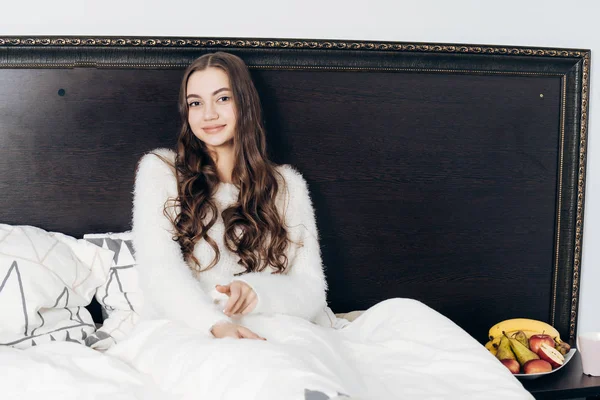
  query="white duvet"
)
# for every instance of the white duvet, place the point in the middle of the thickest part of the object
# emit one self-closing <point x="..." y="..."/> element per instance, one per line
<point x="398" y="349"/>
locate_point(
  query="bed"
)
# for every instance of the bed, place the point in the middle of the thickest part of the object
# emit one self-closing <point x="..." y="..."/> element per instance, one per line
<point x="450" y="174"/>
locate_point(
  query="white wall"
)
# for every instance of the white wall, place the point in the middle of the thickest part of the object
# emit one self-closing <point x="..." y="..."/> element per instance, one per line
<point x="544" y="23"/>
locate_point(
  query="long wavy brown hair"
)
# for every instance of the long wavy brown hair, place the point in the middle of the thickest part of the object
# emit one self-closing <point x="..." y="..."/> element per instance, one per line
<point x="254" y="228"/>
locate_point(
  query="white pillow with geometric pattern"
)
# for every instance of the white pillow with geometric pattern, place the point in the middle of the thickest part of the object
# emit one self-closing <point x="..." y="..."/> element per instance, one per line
<point x="46" y="281"/>
<point x="120" y="296"/>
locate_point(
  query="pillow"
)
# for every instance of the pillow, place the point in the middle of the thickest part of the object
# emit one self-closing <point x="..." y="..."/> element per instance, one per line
<point x="120" y="296"/>
<point x="46" y="280"/>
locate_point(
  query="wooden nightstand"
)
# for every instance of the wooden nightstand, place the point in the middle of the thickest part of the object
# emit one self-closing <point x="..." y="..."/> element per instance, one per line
<point x="568" y="383"/>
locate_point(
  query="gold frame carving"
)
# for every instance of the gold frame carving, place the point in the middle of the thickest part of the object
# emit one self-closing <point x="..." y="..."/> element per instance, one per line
<point x="285" y="44"/>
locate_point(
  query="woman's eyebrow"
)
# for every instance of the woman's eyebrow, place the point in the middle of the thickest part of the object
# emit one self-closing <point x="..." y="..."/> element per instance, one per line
<point x="223" y="89"/>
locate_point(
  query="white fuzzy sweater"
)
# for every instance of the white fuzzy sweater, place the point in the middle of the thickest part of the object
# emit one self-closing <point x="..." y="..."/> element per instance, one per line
<point x="170" y="288"/>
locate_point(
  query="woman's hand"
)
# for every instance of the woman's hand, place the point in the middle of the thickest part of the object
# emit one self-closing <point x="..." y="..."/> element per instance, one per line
<point x="228" y="329"/>
<point x="242" y="298"/>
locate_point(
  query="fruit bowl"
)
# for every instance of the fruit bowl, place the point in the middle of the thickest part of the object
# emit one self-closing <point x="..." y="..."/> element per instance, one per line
<point x="568" y="357"/>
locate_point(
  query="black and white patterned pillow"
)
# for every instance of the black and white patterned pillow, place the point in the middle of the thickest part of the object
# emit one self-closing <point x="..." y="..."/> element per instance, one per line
<point x="120" y="296"/>
<point x="46" y="281"/>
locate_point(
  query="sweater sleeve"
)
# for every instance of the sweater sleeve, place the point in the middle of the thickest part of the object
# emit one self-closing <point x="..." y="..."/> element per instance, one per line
<point x="170" y="289"/>
<point x="301" y="291"/>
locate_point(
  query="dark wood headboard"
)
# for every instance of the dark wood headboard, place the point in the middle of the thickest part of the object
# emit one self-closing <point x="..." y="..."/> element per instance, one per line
<point x="452" y="174"/>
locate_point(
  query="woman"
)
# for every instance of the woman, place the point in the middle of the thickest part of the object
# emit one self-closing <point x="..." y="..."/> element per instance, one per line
<point x="227" y="247"/>
<point x="232" y="224"/>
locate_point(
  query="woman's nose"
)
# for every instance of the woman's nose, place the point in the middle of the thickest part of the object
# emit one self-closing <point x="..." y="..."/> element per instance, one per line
<point x="210" y="113"/>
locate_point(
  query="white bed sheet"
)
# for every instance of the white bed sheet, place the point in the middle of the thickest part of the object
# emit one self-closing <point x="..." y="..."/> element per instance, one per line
<point x="399" y="349"/>
<point x="70" y="371"/>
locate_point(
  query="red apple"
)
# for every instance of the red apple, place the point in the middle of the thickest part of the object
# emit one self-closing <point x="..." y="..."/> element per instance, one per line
<point x="536" y="366"/>
<point x="535" y="341"/>
<point x="512" y="365"/>
<point x="551" y="355"/>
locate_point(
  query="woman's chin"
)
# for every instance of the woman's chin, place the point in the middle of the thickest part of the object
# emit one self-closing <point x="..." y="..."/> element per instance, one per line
<point x="218" y="144"/>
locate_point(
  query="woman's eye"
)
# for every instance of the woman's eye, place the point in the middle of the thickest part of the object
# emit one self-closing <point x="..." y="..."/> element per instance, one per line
<point x="224" y="98"/>
<point x="194" y="104"/>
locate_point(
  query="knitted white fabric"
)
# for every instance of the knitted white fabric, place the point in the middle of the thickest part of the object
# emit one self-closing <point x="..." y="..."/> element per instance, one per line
<point x="170" y="288"/>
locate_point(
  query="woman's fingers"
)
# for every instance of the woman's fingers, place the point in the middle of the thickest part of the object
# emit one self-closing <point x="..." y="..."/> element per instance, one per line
<point x="249" y="304"/>
<point x="242" y="303"/>
<point x="239" y="305"/>
<point x="242" y="306"/>
<point x="223" y="330"/>
<point x="223" y="289"/>
<point x="234" y="297"/>
<point x="246" y="333"/>
<point x="241" y="297"/>
<point x="228" y="329"/>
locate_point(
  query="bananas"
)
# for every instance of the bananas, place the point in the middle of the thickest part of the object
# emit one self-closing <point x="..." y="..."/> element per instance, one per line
<point x="522" y="329"/>
<point x="529" y="326"/>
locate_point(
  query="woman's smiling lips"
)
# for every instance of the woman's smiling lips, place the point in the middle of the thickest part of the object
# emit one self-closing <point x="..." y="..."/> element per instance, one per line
<point x="213" y="128"/>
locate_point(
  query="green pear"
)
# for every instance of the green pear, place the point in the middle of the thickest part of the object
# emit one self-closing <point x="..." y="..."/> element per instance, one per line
<point x="563" y="347"/>
<point x="523" y="353"/>
<point x="521" y="337"/>
<point x="504" y="351"/>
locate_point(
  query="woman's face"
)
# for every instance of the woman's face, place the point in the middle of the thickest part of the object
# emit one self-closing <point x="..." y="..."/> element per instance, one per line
<point x="211" y="108"/>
